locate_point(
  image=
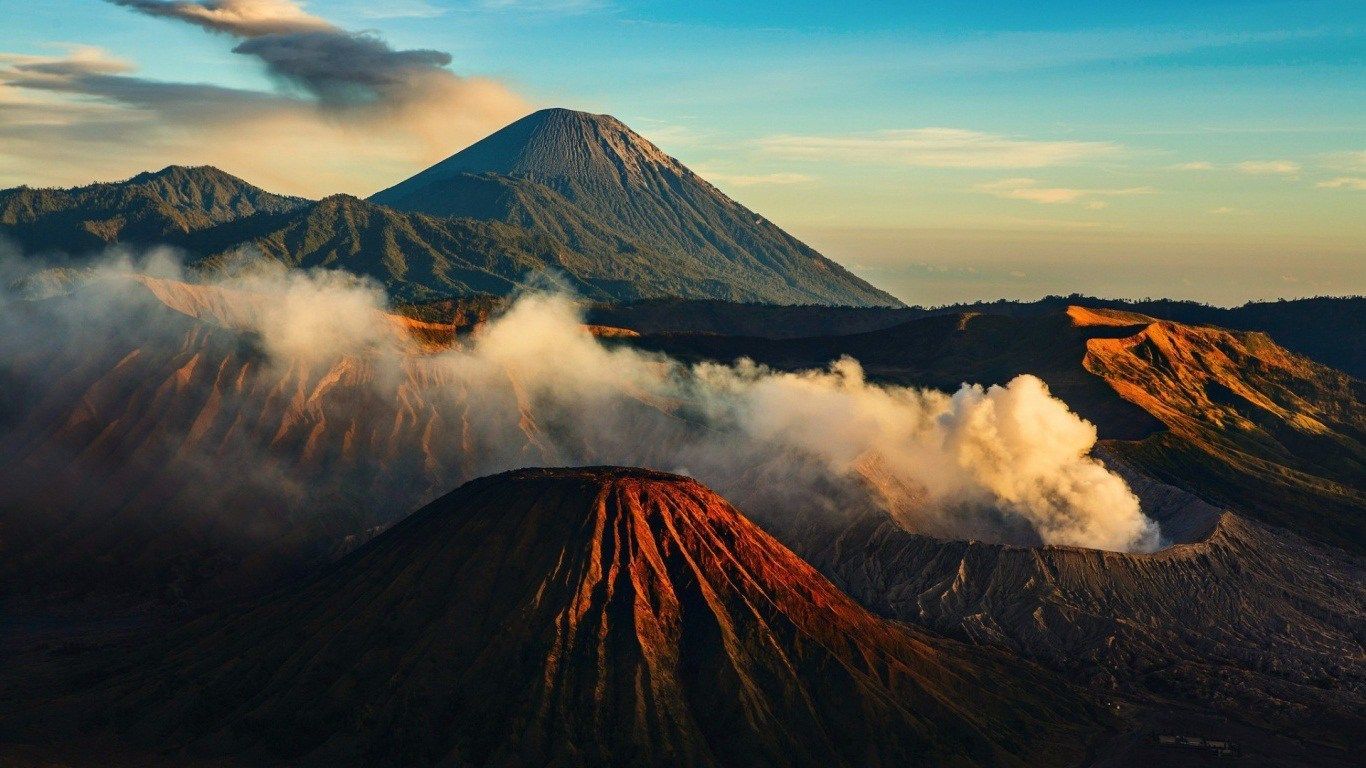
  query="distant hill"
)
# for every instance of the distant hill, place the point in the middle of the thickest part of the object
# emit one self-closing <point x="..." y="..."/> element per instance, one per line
<point x="595" y="186"/>
<point x="1316" y="328"/>
<point x="148" y="209"/>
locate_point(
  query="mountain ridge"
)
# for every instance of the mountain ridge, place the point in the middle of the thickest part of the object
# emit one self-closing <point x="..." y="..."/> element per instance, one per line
<point x="559" y="196"/>
<point x="150" y="208"/>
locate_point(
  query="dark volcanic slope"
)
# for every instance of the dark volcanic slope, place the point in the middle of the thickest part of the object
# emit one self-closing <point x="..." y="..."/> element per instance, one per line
<point x="601" y="190"/>
<point x="417" y="256"/>
<point x="150" y="208"/>
<point x="1251" y="622"/>
<point x="598" y="616"/>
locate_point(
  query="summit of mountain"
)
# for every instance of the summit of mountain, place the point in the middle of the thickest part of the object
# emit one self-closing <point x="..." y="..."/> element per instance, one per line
<point x="582" y="178"/>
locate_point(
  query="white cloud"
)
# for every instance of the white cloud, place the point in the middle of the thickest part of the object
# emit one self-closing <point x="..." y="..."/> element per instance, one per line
<point x="1198" y="165"/>
<point x="401" y="9"/>
<point x="1268" y="167"/>
<point x="1346" y="161"/>
<point x="545" y="6"/>
<point x="760" y="179"/>
<point x="1029" y="189"/>
<point x="936" y="148"/>
<point x="1355" y="183"/>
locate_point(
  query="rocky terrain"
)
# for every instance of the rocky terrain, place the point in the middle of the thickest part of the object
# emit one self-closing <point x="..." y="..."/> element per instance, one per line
<point x="1251" y="622"/>
<point x="209" y="555"/>
<point x="1313" y="328"/>
<point x="1229" y="415"/>
<point x="569" y="617"/>
<point x="559" y="196"/>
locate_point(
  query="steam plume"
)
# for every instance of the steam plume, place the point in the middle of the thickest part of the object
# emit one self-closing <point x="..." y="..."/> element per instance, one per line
<point x="534" y="387"/>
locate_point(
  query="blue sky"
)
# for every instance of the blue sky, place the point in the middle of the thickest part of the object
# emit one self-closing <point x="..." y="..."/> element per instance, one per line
<point x="1211" y="150"/>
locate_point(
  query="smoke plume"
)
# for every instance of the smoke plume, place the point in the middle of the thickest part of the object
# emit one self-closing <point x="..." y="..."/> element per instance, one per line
<point x="305" y="380"/>
<point x="341" y="69"/>
<point x="347" y="108"/>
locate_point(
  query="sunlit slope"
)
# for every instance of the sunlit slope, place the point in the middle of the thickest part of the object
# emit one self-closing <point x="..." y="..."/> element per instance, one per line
<point x="1249" y="424"/>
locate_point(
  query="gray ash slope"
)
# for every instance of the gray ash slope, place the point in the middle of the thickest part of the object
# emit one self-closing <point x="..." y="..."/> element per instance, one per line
<point x="640" y="219"/>
<point x="1239" y="630"/>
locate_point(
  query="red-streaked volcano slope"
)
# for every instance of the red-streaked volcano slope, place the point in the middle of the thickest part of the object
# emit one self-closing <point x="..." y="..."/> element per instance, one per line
<point x="599" y="616"/>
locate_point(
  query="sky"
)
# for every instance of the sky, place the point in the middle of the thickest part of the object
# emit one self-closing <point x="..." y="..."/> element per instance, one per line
<point x="1203" y="149"/>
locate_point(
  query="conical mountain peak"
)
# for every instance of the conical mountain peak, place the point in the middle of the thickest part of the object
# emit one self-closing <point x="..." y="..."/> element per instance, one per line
<point x="585" y="616"/>
<point x="602" y="190"/>
<point x="557" y="144"/>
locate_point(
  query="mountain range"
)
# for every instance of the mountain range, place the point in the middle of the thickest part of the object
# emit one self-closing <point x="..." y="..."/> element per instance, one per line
<point x="558" y="196"/>
<point x="209" y="553"/>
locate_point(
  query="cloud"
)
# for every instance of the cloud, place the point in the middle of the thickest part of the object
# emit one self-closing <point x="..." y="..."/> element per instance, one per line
<point x="1355" y="183"/>
<point x="242" y="18"/>
<point x="1225" y="210"/>
<point x="402" y="9"/>
<point x="566" y="7"/>
<point x="1268" y="167"/>
<point x="759" y="179"/>
<point x="1198" y="165"/>
<point x="936" y="148"/>
<point x="1029" y="189"/>
<point x="1346" y="161"/>
<point x="340" y="69"/>
<point x="350" y="113"/>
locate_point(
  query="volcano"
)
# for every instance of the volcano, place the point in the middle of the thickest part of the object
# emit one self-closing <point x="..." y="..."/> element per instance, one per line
<point x="590" y="616"/>
<point x="591" y="184"/>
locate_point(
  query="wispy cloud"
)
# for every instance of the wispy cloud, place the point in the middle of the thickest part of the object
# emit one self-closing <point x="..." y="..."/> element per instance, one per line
<point x="1354" y="183"/>
<point x="546" y="6"/>
<point x="1032" y="191"/>
<point x="1268" y="167"/>
<point x="349" y="101"/>
<point x="1345" y="161"/>
<point x="243" y="18"/>
<point x="1249" y="167"/>
<point x="1227" y="210"/>
<point x="936" y="148"/>
<point x="1022" y="50"/>
<point x="401" y="9"/>
<point x="340" y="69"/>
<point x="759" y="179"/>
